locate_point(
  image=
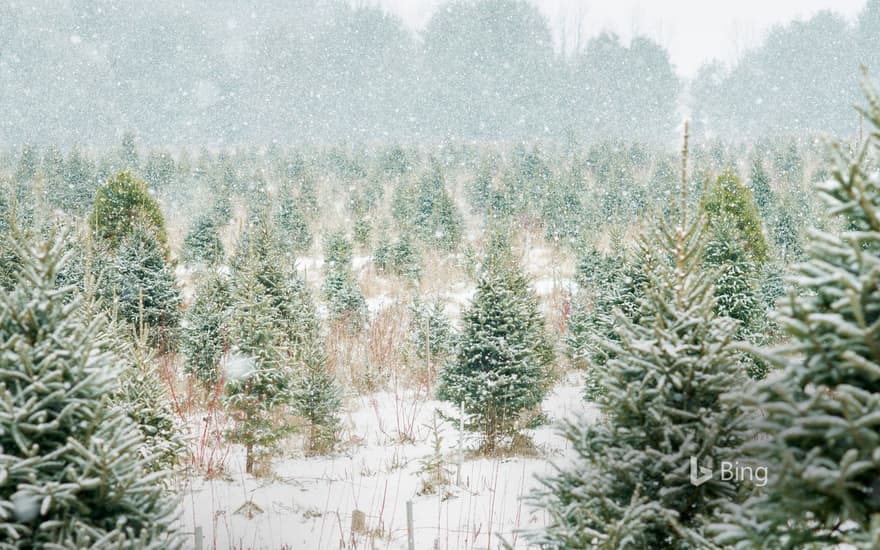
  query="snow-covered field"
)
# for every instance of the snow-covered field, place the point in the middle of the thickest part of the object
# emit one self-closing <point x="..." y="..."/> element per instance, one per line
<point x="309" y="502"/>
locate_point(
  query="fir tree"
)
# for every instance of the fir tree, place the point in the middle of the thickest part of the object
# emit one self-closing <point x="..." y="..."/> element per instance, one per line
<point x="661" y="405"/>
<point x="74" y="476"/>
<point x="122" y="204"/>
<point x="293" y="223"/>
<point x="204" y="337"/>
<point x="258" y="383"/>
<point x="316" y="397"/>
<point x="819" y="418"/>
<point x="142" y="284"/>
<point x="202" y="242"/>
<point x="501" y="371"/>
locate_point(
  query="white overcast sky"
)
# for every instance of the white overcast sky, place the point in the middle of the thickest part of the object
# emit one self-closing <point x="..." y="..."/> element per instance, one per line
<point x="693" y="31"/>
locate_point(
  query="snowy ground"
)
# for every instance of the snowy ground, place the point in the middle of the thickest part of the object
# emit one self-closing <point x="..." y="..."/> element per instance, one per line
<point x="308" y="502"/>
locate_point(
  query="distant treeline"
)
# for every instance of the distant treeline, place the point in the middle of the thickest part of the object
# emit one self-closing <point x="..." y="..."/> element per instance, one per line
<point x="212" y="72"/>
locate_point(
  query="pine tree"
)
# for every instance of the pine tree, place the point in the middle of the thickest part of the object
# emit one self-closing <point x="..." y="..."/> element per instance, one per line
<point x="73" y="472"/>
<point x="293" y="223"/>
<point x="316" y="397"/>
<point x="142" y="284"/>
<point x="818" y="420"/>
<point x="122" y="204"/>
<point x="204" y="337"/>
<point x="202" y="242"/>
<point x="258" y="383"/>
<point x="661" y="405"/>
<point x="143" y="396"/>
<point x="501" y="371"/>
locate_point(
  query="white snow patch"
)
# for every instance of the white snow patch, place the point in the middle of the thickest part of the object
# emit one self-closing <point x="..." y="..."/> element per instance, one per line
<point x="309" y="502"/>
<point x="236" y="366"/>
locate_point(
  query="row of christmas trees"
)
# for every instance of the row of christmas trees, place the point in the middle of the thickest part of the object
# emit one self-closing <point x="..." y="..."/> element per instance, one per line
<point x="676" y="401"/>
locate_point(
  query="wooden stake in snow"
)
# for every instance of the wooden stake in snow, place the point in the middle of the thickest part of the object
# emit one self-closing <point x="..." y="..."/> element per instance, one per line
<point x="199" y="538"/>
<point x="460" y="444"/>
<point x="410" y="537"/>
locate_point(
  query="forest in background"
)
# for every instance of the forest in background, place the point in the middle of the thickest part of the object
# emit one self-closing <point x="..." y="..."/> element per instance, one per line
<point x="209" y="73"/>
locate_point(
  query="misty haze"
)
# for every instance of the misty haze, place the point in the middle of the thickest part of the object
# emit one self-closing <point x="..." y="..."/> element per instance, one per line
<point x="439" y="274"/>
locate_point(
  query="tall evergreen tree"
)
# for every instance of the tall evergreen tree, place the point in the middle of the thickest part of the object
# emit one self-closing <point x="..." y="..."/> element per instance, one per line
<point x="73" y="473"/>
<point x="819" y="419"/>
<point x="661" y="404"/>
<point x="258" y="382"/>
<point x="122" y="204"/>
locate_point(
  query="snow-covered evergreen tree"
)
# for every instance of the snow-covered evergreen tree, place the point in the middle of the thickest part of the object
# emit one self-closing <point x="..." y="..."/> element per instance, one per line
<point x="501" y="370"/>
<point x="401" y="257"/>
<point x="344" y="298"/>
<point x="258" y="382"/>
<point x="608" y="282"/>
<point x="141" y="284"/>
<point x="292" y="221"/>
<point x="819" y="419"/>
<point x="122" y="204"/>
<point x="661" y="404"/>
<point x="316" y="397"/>
<point x="72" y="469"/>
<point x="143" y="396"/>
<point x="203" y="335"/>
<point x="202" y="242"/>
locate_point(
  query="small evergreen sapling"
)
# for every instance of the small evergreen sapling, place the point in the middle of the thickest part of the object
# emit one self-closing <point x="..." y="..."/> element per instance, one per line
<point x="202" y="243"/>
<point x="500" y="374"/>
<point x="316" y="397"/>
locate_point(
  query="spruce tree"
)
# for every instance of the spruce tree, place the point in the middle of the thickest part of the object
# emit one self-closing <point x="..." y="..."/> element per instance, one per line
<point x="819" y="419"/>
<point x="204" y="330"/>
<point x="316" y="397"/>
<point x="142" y="396"/>
<point x="258" y="382"/>
<point x="759" y="183"/>
<point x="202" y="243"/>
<point x="293" y="223"/>
<point x="73" y="473"/>
<point x="729" y="202"/>
<point x="344" y="298"/>
<point x="122" y="204"/>
<point x="661" y="404"/>
<point x="141" y="284"/>
<point x="608" y="282"/>
<point x="501" y="371"/>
